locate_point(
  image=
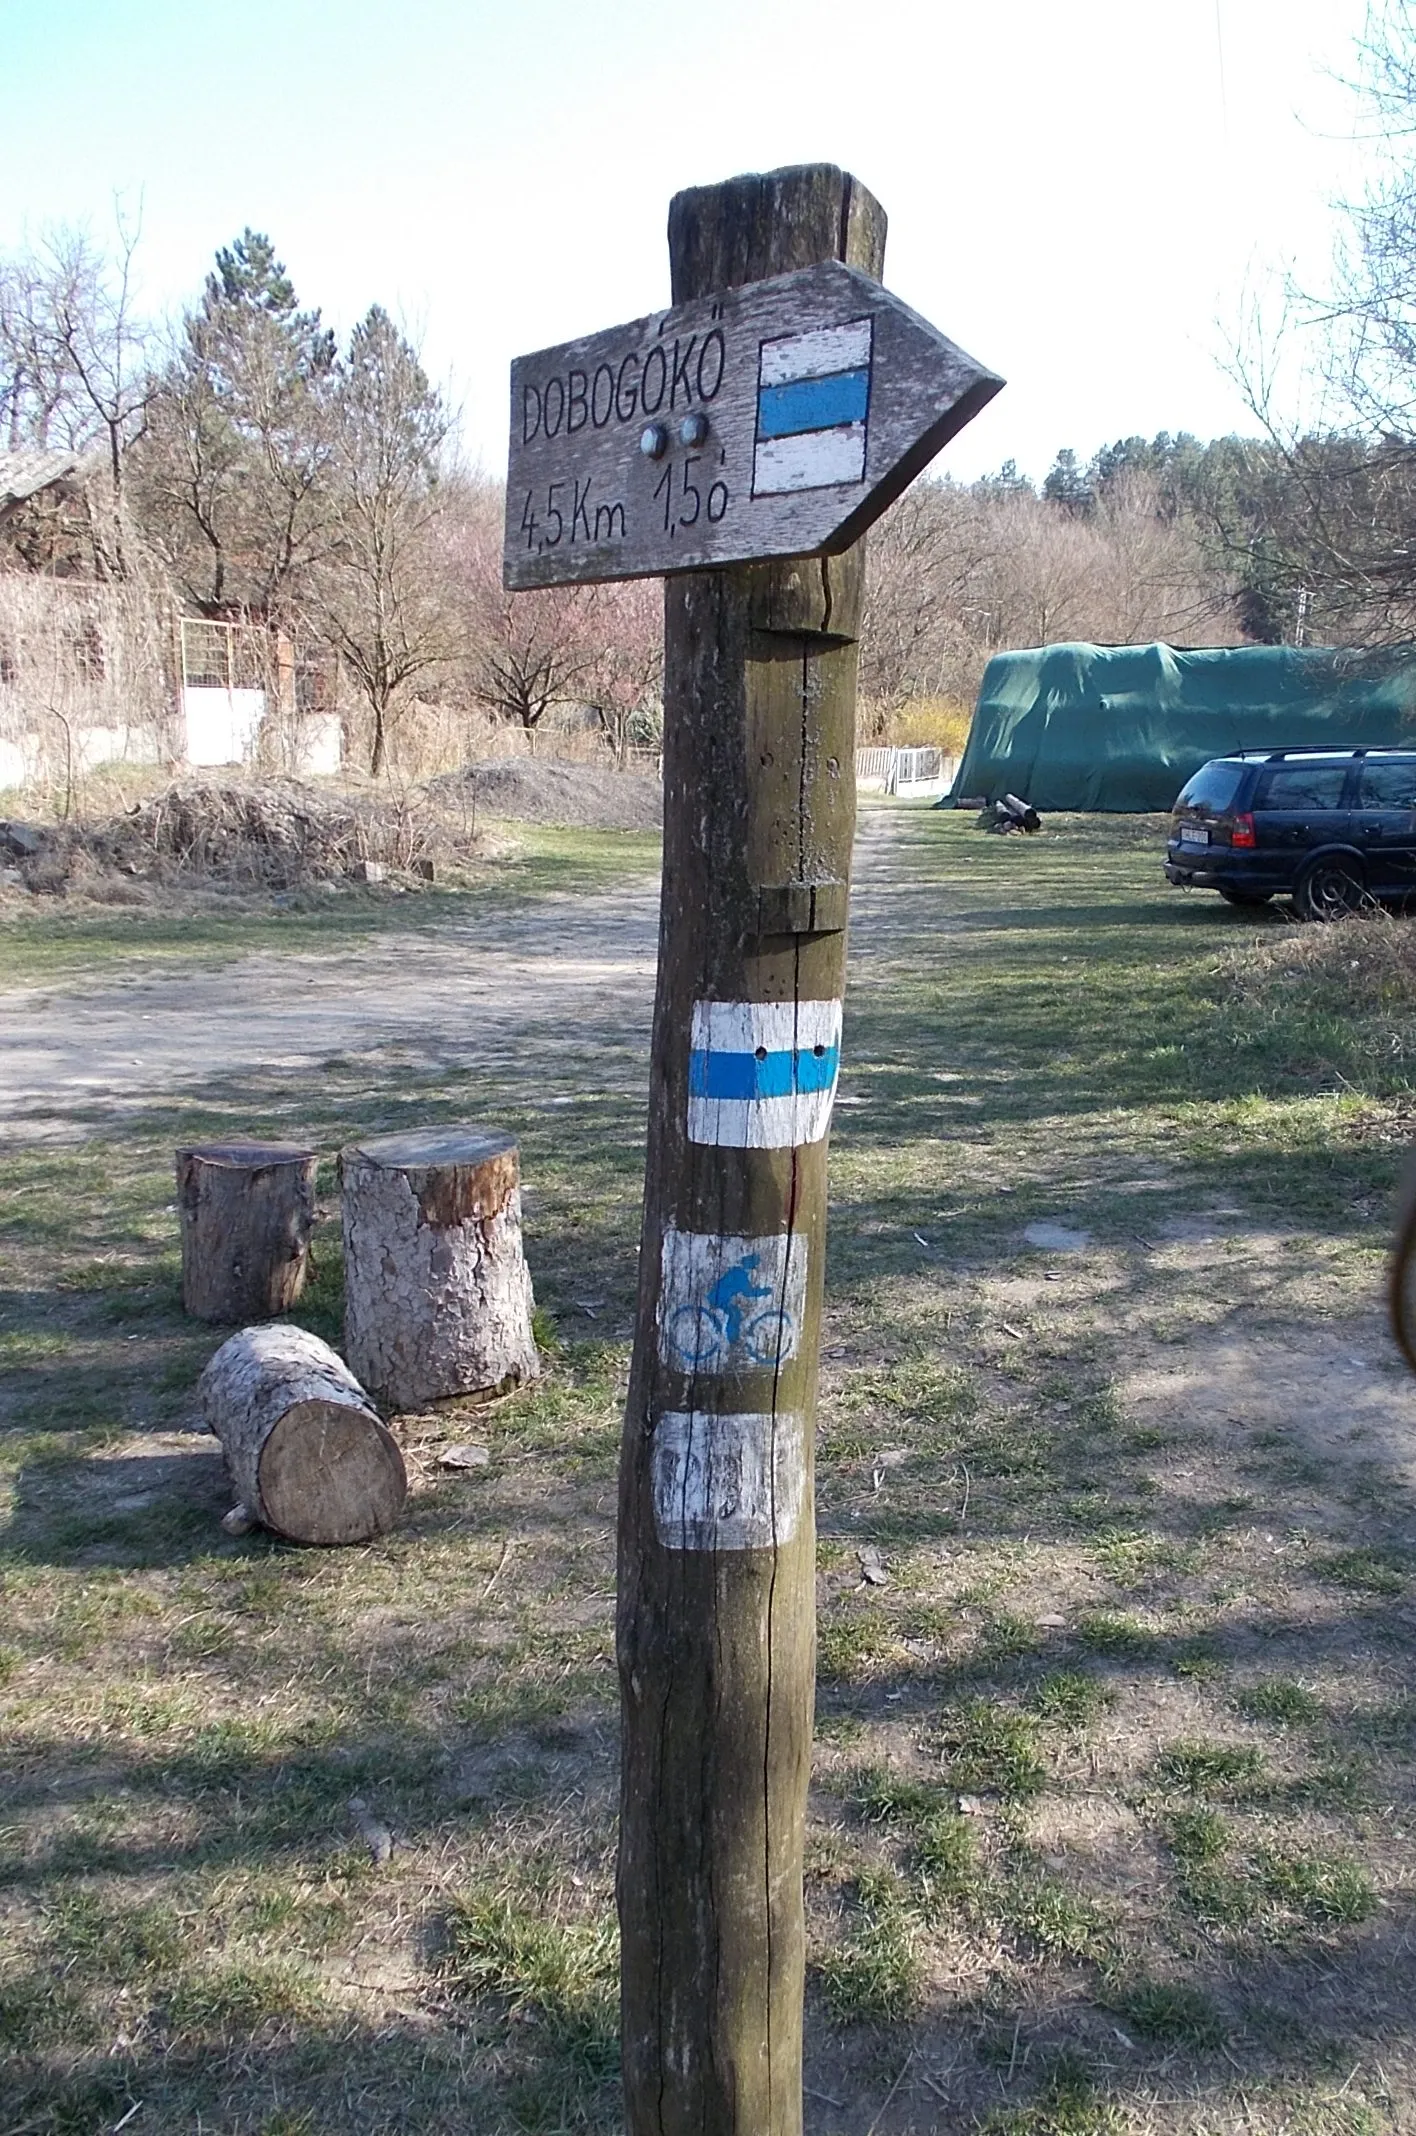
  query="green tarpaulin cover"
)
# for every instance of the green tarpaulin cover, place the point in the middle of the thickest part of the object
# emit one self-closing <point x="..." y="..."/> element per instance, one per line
<point x="1118" y="727"/>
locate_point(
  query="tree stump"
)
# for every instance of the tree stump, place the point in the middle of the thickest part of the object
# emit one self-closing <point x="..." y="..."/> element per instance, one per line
<point x="437" y="1295"/>
<point x="247" y="1210"/>
<point x="306" y="1453"/>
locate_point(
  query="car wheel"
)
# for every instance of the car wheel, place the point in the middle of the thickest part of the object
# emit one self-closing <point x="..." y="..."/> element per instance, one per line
<point x="1246" y="897"/>
<point x="1329" y="889"/>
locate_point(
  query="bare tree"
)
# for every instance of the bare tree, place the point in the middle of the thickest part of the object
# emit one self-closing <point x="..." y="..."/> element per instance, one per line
<point x="37" y="403"/>
<point x="75" y="356"/>
<point x="1371" y="312"/>
<point x="1320" y="518"/>
<point x="377" y="590"/>
<point x="526" y="653"/>
<point x="954" y="574"/>
<point x="625" y="685"/>
<point x="926" y="600"/>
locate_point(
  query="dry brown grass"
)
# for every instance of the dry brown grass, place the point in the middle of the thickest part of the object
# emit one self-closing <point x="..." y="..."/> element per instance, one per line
<point x="270" y="834"/>
<point x="1362" y="966"/>
<point x="1333" y="1006"/>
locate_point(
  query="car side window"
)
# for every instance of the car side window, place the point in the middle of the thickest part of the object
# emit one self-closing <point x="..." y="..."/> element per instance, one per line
<point x="1290" y="786"/>
<point x="1389" y="785"/>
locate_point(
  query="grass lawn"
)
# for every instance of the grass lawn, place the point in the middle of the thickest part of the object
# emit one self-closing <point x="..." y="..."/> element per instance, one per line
<point x="41" y="939"/>
<point x="1111" y="1823"/>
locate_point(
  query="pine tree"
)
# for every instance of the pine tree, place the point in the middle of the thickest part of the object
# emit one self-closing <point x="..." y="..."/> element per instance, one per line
<point x="240" y="436"/>
<point x="1066" y="485"/>
<point x="377" y="591"/>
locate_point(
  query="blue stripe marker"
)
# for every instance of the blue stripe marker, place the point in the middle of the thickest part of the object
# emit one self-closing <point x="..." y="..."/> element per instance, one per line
<point x="813" y="409"/>
<point x="813" y="404"/>
<point x="775" y="1075"/>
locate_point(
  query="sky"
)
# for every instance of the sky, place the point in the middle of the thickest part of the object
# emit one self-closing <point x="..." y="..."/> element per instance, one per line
<point x="1087" y="196"/>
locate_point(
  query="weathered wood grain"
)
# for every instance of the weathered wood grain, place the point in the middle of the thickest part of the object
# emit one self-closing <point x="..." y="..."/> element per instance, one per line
<point x="776" y="419"/>
<point x="246" y="1210"/>
<point x="716" y="1620"/>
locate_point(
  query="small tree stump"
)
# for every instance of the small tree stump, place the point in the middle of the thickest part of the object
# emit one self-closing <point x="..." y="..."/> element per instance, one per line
<point x="306" y="1453"/>
<point x="437" y="1295"/>
<point x="247" y="1210"/>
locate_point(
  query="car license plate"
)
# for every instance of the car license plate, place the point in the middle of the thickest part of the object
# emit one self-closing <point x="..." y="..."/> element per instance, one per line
<point x="1194" y="834"/>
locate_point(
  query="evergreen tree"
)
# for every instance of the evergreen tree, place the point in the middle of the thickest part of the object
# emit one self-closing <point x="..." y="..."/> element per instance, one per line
<point x="239" y="441"/>
<point x="1066" y="485"/>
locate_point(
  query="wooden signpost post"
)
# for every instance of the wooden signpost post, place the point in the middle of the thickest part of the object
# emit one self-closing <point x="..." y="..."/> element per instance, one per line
<point x="739" y="444"/>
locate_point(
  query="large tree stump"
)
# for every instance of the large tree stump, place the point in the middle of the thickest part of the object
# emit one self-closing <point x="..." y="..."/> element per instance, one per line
<point x="247" y="1210"/>
<point x="437" y="1296"/>
<point x="307" y="1454"/>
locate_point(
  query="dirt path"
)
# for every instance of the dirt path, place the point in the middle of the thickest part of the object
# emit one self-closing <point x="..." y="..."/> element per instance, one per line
<point x="454" y="996"/>
<point x="459" y="995"/>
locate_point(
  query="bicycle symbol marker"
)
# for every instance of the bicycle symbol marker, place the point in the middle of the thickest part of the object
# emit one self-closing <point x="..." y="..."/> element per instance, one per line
<point x="731" y="1304"/>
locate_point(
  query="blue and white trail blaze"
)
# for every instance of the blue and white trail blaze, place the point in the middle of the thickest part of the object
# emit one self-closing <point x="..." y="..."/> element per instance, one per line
<point x="762" y="1074"/>
<point x="813" y="408"/>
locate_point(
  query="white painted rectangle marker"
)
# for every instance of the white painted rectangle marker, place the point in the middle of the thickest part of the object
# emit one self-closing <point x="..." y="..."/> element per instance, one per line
<point x="762" y="1074"/>
<point x="727" y="1482"/>
<point x="814" y="461"/>
<point x="730" y="1304"/>
<point x="818" y="353"/>
<point x="813" y="409"/>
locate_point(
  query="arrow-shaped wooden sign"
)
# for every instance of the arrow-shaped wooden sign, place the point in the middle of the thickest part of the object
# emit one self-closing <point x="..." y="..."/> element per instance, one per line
<point x="777" y="419"/>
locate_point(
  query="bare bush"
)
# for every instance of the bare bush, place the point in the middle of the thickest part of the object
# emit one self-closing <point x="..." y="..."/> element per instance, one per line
<point x="85" y="678"/>
<point x="271" y="834"/>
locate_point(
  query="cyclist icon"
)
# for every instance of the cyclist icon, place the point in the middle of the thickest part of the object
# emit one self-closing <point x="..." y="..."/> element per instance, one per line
<point x="735" y="1283"/>
<point x="731" y="1329"/>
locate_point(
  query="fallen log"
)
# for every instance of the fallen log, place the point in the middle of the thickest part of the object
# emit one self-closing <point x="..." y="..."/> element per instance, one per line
<point x="1009" y="814"/>
<point x="307" y="1454"/>
<point x="247" y="1210"/>
<point x="437" y="1295"/>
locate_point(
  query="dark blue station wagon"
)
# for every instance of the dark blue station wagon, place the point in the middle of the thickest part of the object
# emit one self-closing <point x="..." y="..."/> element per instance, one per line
<point x="1329" y="828"/>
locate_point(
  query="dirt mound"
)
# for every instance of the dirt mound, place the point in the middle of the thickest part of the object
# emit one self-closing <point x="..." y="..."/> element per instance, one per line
<point x="272" y="834"/>
<point x="576" y="796"/>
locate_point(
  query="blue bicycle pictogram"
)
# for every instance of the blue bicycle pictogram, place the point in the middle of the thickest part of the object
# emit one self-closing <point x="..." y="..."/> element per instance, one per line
<point x="731" y="1328"/>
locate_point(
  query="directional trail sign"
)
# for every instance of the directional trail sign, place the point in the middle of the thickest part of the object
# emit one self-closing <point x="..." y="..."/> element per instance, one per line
<point x="775" y="419"/>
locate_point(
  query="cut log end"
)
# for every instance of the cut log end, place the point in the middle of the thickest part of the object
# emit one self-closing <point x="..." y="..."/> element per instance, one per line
<point x="306" y="1454"/>
<point x="331" y="1474"/>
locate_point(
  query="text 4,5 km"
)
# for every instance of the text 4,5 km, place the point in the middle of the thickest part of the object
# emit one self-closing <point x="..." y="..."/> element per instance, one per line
<point x="567" y="513"/>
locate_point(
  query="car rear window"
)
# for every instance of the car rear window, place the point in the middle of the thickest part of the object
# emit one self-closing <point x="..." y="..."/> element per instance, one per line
<point x="1388" y="784"/>
<point x="1213" y="787"/>
<point x="1302" y="786"/>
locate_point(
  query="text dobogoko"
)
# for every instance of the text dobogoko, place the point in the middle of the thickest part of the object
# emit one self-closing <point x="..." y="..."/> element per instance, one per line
<point x="655" y="382"/>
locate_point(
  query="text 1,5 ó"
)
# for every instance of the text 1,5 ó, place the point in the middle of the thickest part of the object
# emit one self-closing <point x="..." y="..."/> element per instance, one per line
<point x="686" y="501"/>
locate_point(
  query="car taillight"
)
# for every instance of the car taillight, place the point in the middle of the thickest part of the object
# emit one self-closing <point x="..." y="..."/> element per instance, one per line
<point x="1242" y="833"/>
